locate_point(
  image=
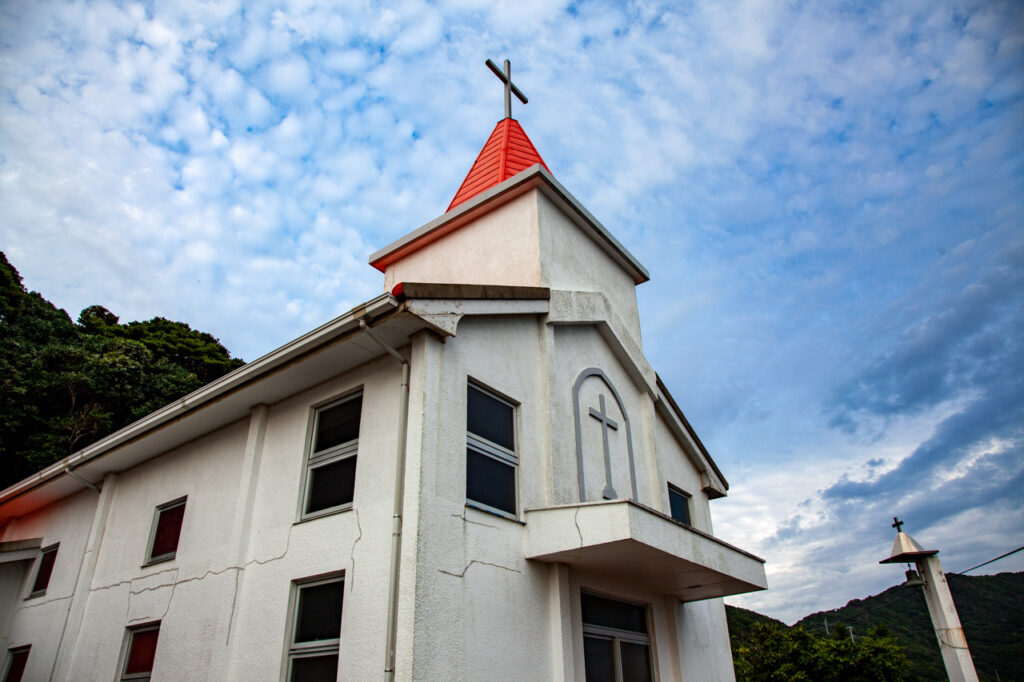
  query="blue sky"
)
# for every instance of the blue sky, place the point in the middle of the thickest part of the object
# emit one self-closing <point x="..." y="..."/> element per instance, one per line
<point x="829" y="198"/>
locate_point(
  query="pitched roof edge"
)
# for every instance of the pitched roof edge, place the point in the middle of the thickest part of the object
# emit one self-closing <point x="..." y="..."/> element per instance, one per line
<point x="534" y="176"/>
<point x="211" y="392"/>
<point x="690" y="430"/>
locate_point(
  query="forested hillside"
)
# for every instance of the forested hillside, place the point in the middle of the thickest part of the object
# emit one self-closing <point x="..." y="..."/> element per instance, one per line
<point x="65" y="384"/>
<point x="991" y="611"/>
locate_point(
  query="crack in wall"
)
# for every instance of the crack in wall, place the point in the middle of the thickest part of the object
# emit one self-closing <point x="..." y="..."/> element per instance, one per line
<point x="44" y="603"/>
<point x="352" y="553"/>
<point x="477" y="561"/>
<point x="234" y="605"/>
<point x="475" y="523"/>
<point x="174" y="583"/>
<point x="576" y="520"/>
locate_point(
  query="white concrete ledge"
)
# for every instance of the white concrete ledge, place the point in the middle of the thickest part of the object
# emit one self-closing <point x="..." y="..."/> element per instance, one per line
<point x="625" y="541"/>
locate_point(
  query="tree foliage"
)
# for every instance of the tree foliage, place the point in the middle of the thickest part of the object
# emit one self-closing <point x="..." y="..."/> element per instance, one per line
<point x="991" y="609"/>
<point x="780" y="654"/>
<point x="67" y="384"/>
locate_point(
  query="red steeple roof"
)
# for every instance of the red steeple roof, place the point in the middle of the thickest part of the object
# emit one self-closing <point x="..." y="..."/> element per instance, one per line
<point x="507" y="151"/>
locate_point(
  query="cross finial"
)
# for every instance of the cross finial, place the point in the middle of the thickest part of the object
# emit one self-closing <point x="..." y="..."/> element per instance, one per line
<point x="510" y="87"/>
<point x="897" y="524"/>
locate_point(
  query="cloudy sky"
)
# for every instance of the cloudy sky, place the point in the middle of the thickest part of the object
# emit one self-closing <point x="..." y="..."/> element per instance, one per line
<point x="829" y="198"/>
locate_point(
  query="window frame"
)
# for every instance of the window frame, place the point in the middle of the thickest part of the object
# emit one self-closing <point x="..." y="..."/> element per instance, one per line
<point x="126" y="648"/>
<point x="155" y="525"/>
<point x="336" y="453"/>
<point x="617" y="636"/>
<point x="43" y="552"/>
<point x="296" y="650"/>
<point x="12" y="654"/>
<point x="483" y="446"/>
<point x="687" y="498"/>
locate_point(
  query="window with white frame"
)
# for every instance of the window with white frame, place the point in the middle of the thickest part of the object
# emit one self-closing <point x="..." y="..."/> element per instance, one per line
<point x="166" y="531"/>
<point x="616" y="640"/>
<point x="491" y="459"/>
<point x="47" y="559"/>
<point x="315" y="629"/>
<point x="139" y="651"/>
<point x="331" y="463"/>
<point x="17" y="659"/>
<point x="679" y="504"/>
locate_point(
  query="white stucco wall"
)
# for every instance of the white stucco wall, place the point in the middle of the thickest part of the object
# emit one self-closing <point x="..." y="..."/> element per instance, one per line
<point x="41" y="619"/>
<point x="500" y="247"/>
<point x="573" y="261"/>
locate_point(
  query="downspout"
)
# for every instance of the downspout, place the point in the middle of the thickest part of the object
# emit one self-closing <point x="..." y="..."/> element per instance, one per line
<point x="396" y="523"/>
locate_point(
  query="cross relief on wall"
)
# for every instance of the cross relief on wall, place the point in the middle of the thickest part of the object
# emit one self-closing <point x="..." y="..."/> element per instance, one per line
<point x="604" y="439"/>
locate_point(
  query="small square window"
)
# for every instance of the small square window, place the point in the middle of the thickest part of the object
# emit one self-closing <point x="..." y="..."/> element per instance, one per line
<point x="139" y="651"/>
<point x="45" y="570"/>
<point x="17" y="659"/>
<point x="331" y="464"/>
<point x="491" y="459"/>
<point x="679" y="504"/>
<point x="316" y="629"/>
<point x="163" y="542"/>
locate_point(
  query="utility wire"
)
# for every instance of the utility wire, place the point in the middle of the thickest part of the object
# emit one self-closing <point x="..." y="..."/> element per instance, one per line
<point x="913" y="592"/>
<point x="1001" y="556"/>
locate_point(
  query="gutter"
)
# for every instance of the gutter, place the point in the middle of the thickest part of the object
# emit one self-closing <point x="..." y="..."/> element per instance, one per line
<point x="396" y="519"/>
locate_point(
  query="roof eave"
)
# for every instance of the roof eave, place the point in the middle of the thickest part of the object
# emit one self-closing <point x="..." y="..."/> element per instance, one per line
<point x="536" y="176"/>
<point x="326" y="334"/>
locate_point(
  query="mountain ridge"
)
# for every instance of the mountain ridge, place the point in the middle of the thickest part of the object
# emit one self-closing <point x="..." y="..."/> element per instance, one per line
<point x="991" y="609"/>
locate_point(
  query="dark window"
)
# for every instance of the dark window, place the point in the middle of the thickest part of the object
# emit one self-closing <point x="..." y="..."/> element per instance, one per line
<point x="610" y="613"/>
<point x="313" y="651"/>
<point x="489" y="417"/>
<point x="46" y="561"/>
<point x="599" y="659"/>
<point x="332" y="484"/>
<point x="331" y="464"/>
<point x="166" y="531"/>
<point x="319" y="615"/>
<point x="490" y="481"/>
<point x="338" y="424"/>
<point x="679" y="504"/>
<point x="17" y="659"/>
<point x="140" y="651"/>
<point x="491" y="458"/>
<point x="616" y="644"/>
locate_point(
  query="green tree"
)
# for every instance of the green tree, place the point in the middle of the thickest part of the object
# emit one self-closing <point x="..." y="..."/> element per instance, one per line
<point x="66" y="385"/>
<point x="780" y="654"/>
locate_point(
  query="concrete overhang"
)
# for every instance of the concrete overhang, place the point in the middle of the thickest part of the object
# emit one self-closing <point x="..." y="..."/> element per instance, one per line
<point x="628" y="542"/>
<point x="327" y="351"/>
<point x="20" y="550"/>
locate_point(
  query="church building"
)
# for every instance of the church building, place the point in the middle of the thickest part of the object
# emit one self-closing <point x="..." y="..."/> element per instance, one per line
<point x="473" y="476"/>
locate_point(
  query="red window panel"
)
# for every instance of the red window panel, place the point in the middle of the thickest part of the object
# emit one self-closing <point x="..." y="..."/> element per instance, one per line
<point x="141" y="651"/>
<point x="16" y="665"/>
<point x="45" y="570"/>
<point x="168" y="530"/>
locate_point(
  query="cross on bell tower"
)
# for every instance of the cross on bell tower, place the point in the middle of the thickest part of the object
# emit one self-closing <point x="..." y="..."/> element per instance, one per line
<point x="510" y="87"/>
<point x="897" y="524"/>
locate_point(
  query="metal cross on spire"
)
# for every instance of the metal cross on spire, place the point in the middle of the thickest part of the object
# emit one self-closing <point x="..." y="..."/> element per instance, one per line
<point x="510" y="87"/>
<point x="897" y="524"/>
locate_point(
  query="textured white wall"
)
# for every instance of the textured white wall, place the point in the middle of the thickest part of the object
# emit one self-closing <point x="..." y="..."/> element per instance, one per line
<point x="500" y="247"/>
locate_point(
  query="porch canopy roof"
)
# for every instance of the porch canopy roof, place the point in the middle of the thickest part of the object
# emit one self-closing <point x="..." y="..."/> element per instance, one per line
<point x="623" y="540"/>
